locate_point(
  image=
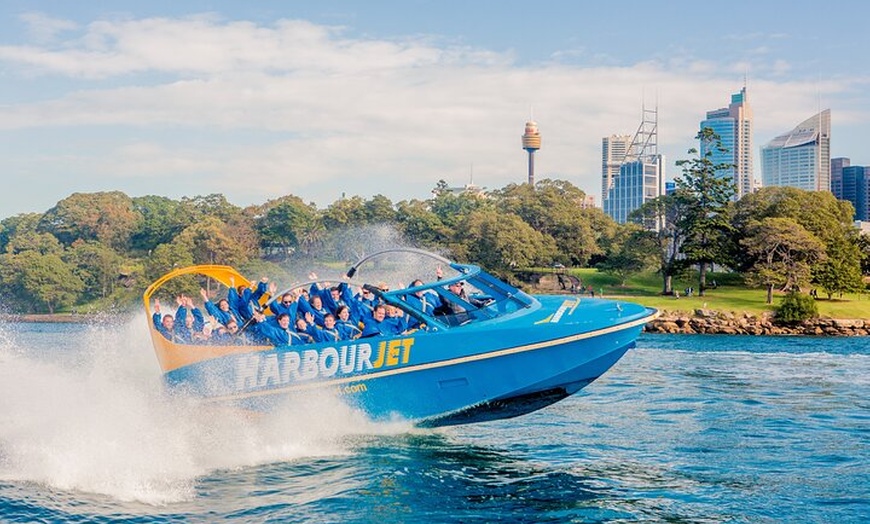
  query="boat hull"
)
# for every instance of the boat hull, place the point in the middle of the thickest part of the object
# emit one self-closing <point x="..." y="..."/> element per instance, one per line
<point x="520" y="363"/>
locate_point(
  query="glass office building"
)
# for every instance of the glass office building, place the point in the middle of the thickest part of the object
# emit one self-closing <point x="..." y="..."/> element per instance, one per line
<point x="733" y="124"/>
<point x="802" y="157"/>
<point x="641" y="172"/>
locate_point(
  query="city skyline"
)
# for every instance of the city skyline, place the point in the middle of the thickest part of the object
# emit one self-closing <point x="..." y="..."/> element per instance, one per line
<point x="337" y="98"/>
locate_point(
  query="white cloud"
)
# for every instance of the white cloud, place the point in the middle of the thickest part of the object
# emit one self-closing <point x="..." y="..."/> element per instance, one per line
<point x="44" y="28"/>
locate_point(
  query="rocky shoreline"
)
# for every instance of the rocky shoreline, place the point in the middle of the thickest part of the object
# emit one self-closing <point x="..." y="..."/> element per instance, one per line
<point x="728" y="323"/>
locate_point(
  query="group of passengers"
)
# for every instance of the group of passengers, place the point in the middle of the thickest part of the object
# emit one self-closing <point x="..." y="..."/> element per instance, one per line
<point x="331" y="313"/>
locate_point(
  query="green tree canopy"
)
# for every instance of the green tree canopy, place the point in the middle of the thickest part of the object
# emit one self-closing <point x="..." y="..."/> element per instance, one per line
<point x="633" y="249"/>
<point x="420" y="225"/>
<point x="501" y="241"/>
<point x="783" y="253"/>
<point x="345" y="212"/>
<point x="96" y="265"/>
<point x="555" y="208"/>
<point x="288" y="224"/>
<point x="820" y="213"/>
<point x="39" y="283"/>
<point x="160" y="220"/>
<point x="107" y="217"/>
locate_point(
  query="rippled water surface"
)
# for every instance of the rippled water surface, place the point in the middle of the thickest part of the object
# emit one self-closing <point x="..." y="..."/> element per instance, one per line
<point x="683" y="429"/>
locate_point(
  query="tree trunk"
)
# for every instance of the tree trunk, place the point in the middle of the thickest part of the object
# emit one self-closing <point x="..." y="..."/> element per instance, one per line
<point x="667" y="285"/>
<point x="702" y="278"/>
<point x="770" y="293"/>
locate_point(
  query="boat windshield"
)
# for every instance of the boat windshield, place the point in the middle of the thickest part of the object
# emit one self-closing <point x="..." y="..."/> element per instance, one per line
<point x="470" y="296"/>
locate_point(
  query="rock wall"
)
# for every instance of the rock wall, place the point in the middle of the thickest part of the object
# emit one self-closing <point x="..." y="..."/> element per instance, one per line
<point x="726" y="323"/>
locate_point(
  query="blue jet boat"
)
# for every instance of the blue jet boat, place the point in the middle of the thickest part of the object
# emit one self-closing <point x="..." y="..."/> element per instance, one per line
<point x="503" y="354"/>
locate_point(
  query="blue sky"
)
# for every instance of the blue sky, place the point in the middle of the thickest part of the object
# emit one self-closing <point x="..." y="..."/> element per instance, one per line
<point x="257" y="100"/>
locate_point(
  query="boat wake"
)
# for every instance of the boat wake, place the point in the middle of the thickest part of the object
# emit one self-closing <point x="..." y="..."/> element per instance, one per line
<point x="84" y="409"/>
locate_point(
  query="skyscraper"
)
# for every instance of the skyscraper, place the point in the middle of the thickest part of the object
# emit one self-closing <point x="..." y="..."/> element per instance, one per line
<point x="802" y="157"/>
<point x="613" y="150"/>
<point x="733" y="124"/>
<point x="855" y="190"/>
<point x="641" y="174"/>
<point x="837" y="165"/>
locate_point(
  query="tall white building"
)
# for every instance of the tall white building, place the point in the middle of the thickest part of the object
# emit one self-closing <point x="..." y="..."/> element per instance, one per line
<point x="613" y="150"/>
<point x="802" y="157"/>
<point x="733" y="124"/>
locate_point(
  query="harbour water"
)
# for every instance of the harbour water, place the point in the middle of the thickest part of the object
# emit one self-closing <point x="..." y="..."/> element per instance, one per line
<point x="685" y="428"/>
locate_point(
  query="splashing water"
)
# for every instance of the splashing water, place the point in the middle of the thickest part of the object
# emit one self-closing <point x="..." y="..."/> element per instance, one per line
<point x="90" y="414"/>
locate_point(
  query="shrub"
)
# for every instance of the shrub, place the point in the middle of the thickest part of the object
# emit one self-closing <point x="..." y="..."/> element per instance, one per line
<point x="796" y="307"/>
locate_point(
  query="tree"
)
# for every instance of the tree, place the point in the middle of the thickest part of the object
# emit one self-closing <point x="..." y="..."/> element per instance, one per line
<point x="17" y="225"/>
<point x="288" y="224"/>
<point x="40" y="282"/>
<point x="840" y="272"/>
<point x="96" y="265"/>
<point x="43" y="243"/>
<point x="555" y="208"/>
<point x="820" y="213"/>
<point x="160" y="220"/>
<point x="214" y="205"/>
<point x="863" y="243"/>
<point x="633" y="250"/>
<point x="783" y="252"/>
<point x="379" y="209"/>
<point x="502" y="242"/>
<point x="707" y="221"/>
<point x="452" y="209"/>
<point x="210" y="242"/>
<point x="345" y="212"/>
<point x="419" y="224"/>
<point x="107" y="217"/>
<point x="665" y="216"/>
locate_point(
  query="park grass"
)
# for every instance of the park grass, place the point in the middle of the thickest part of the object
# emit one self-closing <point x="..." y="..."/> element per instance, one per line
<point x="731" y="295"/>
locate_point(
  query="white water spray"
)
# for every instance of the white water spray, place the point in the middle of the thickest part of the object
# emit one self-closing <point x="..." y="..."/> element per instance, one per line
<point x="87" y="411"/>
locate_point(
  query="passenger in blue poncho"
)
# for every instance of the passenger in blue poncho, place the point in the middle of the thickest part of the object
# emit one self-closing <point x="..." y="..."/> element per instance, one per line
<point x="188" y="319"/>
<point x="330" y="332"/>
<point x="348" y="327"/>
<point x="313" y="307"/>
<point x="222" y="311"/>
<point x="243" y="300"/>
<point x="286" y="304"/>
<point x="276" y="330"/>
<point x="164" y="324"/>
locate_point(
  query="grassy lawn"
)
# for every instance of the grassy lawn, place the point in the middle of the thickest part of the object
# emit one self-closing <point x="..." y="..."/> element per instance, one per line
<point x="730" y="295"/>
